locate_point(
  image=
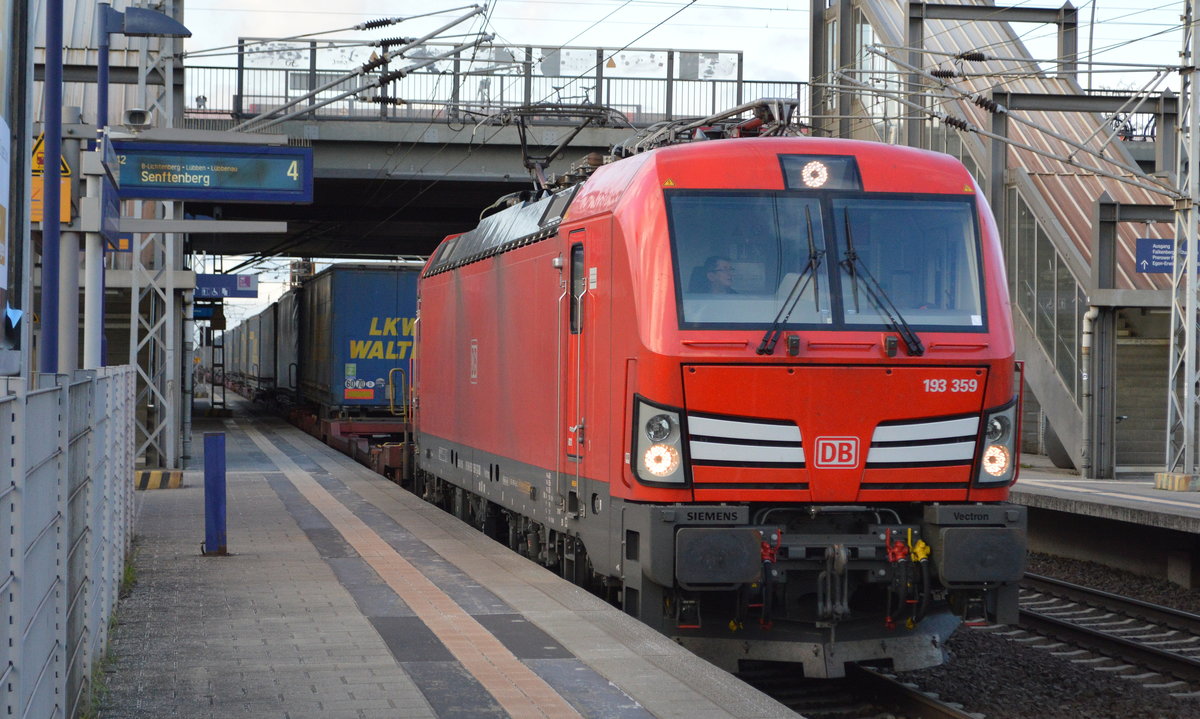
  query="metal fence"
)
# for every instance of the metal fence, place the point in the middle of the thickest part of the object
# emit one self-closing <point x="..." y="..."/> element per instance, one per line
<point x="232" y="94"/>
<point x="465" y="89"/>
<point x="66" y="524"/>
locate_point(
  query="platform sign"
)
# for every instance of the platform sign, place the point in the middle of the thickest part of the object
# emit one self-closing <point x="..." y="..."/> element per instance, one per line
<point x="1155" y="254"/>
<point x="37" y="163"/>
<point x="37" y="194"/>
<point x="123" y="242"/>
<point x="227" y="173"/>
<point x="110" y="211"/>
<point x="203" y="312"/>
<point x="224" y="286"/>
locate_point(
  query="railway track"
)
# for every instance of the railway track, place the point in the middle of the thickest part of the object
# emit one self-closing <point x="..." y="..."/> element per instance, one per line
<point x="1155" y="646"/>
<point x="865" y="692"/>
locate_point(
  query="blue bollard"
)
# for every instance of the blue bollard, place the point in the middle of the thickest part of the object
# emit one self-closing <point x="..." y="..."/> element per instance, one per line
<point x="214" y="495"/>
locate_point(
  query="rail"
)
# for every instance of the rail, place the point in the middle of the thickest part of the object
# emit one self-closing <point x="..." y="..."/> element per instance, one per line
<point x="865" y="691"/>
<point x="1158" y="638"/>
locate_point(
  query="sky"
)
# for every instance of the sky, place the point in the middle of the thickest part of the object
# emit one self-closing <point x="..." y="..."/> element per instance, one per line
<point x="771" y="34"/>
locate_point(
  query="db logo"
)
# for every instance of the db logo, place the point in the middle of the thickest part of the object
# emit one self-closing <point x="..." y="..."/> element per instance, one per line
<point x="836" y="452"/>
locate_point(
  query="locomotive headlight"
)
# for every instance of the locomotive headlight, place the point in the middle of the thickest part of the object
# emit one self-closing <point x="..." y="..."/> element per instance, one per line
<point x="997" y="465"/>
<point x="815" y="174"/>
<point x="998" y="427"/>
<point x="996" y="460"/>
<point x="661" y="460"/>
<point x="658" y="455"/>
<point x="659" y="427"/>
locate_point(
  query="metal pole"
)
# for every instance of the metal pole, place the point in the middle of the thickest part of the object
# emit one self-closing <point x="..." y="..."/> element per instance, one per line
<point x="68" y="271"/>
<point x="68" y="302"/>
<point x="1193" y="196"/>
<point x="214" y="495"/>
<point x="189" y="329"/>
<point x="93" y="294"/>
<point x="94" y="243"/>
<point x="1181" y="402"/>
<point x="51" y="176"/>
<point x="102" y="45"/>
<point x="93" y="312"/>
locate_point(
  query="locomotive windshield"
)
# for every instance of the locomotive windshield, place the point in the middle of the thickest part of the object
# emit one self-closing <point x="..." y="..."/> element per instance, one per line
<point x="758" y="259"/>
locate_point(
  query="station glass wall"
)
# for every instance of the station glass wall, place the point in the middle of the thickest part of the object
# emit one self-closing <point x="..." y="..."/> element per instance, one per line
<point x="1043" y="289"/>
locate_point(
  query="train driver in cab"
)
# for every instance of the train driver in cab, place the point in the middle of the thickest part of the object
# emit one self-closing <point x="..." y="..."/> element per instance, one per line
<point x="717" y="277"/>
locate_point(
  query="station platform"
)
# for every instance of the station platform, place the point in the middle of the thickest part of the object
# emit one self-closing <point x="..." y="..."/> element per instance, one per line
<point x="347" y="596"/>
<point x="1136" y="501"/>
<point x="1124" y="523"/>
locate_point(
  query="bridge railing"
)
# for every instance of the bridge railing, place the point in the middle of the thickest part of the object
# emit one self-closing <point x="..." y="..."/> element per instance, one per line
<point x="237" y="94"/>
<point x="1141" y="125"/>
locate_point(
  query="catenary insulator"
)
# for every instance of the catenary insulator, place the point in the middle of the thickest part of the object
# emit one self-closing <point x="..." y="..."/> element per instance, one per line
<point x="956" y="122"/>
<point x="988" y="104"/>
<point x="382" y="22"/>
<point x="392" y="41"/>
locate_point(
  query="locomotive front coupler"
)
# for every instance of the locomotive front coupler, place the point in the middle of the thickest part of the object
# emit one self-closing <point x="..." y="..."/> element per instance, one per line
<point x="840" y="540"/>
<point x="844" y="553"/>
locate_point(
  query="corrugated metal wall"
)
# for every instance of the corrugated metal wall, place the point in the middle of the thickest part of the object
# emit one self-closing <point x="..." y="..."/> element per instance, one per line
<point x="79" y="49"/>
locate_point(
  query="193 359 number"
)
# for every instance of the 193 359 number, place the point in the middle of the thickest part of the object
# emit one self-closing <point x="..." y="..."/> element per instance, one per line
<point x="954" y="385"/>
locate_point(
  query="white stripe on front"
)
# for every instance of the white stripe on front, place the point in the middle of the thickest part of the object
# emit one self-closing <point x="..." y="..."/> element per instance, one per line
<point x="710" y="427"/>
<point x="716" y="451"/>
<point x="945" y="429"/>
<point x="923" y="453"/>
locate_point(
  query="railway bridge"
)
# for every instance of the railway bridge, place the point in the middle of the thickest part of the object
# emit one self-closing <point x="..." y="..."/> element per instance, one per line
<point x="394" y="178"/>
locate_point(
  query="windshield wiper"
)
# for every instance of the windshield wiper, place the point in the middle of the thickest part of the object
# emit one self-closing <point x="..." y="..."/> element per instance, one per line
<point x="769" y="340"/>
<point x="853" y="264"/>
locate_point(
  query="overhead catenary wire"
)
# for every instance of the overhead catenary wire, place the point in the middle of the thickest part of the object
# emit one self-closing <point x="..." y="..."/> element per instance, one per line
<point x="379" y="82"/>
<point x="576" y="36"/>
<point x="1118" y="66"/>
<point x="386" y="168"/>
<point x="626" y="46"/>
<point x="997" y="15"/>
<point x="325" y="46"/>
<point x="476" y="129"/>
<point x="368" y="67"/>
<point x="316" y="230"/>
<point x="985" y="103"/>
<point x="368" y="25"/>
<point x="1035" y="71"/>
<point x="498" y="130"/>
<point x="989" y="105"/>
<point x="965" y="125"/>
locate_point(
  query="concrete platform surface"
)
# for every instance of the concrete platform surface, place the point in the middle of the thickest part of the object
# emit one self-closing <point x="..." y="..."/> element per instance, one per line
<point x="1136" y="501"/>
<point x="346" y="596"/>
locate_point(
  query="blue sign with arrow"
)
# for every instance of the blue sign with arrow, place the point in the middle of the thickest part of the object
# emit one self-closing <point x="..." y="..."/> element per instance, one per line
<point x="1155" y="254"/>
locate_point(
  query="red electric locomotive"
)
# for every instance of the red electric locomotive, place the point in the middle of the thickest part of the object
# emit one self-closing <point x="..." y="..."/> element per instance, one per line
<point x="761" y="391"/>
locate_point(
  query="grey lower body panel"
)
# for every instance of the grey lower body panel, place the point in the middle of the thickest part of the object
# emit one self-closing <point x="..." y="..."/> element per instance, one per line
<point x="823" y="656"/>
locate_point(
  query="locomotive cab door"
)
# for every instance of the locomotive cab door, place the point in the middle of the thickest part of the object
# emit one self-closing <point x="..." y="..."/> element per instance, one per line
<point x="575" y="426"/>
